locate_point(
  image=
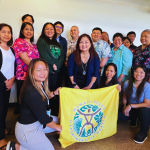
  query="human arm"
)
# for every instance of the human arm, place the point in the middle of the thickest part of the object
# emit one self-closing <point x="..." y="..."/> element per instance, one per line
<point x="71" y="69"/>
<point x="9" y="83"/>
<point x="72" y="81"/>
<point x="54" y="126"/>
<point x="119" y="88"/>
<point x="90" y="84"/>
<point x="44" y="52"/>
<point x="32" y="98"/>
<point x="53" y="93"/>
<point x="146" y="103"/>
<point x="25" y="58"/>
<point x="120" y="78"/>
<point x="126" y="63"/>
<point x="103" y="63"/>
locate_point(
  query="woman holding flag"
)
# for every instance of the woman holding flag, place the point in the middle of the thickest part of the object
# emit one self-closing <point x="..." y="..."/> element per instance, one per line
<point x="35" y="120"/>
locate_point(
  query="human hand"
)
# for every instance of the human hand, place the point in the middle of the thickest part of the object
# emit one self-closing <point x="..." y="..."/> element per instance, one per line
<point x="118" y="88"/>
<point x="76" y="87"/>
<point x="58" y="128"/>
<point x="66" y="64"/>
<point x="56" y="92"/>
<point x="87" y="87"/>
<point x="54" y="67"/>
<point x="126" y="110"/>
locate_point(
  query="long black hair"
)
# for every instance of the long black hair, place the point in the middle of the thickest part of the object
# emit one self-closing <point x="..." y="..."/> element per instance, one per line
<point x="77" y="55"/>
<point x="47" y="39"/>
<point x="22" y="28"/>
<point x="104" y="78"/>
<point x="129" y="89"/>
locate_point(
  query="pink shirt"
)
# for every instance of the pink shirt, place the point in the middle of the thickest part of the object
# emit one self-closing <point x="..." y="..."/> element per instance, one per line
<point x="21" y="46"/>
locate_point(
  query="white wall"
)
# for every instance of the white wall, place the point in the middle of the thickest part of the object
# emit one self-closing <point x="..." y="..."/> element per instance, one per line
<point x="110" y="15"/>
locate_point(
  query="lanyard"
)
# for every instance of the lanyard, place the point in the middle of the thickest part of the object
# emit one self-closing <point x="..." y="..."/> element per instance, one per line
<point x="45" y="95"/>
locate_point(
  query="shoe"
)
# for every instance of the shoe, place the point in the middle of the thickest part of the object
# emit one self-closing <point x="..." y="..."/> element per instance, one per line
<point x="17" y="111"/>
<point x="11" y="146"/>
<point x="133" y="122"/>
<point x="140" y="137"/>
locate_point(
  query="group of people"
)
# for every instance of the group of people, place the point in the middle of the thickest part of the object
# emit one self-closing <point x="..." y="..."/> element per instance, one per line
<point x="39" y="68"/>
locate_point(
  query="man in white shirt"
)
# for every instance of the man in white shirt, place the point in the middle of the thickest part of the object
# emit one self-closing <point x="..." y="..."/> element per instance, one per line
<point x="71" y="44"/>
<point x="101" y="47"/>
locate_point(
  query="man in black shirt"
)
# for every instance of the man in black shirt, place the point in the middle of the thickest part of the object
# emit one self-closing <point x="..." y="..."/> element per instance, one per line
<point x="131" y="35"/>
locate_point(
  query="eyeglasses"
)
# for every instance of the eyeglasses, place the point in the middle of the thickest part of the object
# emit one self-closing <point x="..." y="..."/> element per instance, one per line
<point x="58" y="27"/>
<point x="104" y="35"/>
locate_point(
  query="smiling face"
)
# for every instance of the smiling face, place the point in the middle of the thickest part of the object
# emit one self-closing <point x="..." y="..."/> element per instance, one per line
<point x="145" y="38"/>
<point x="74" y="32"/>
<point x="117" y="42"/>
<point x="126" y="43"/>
<point x="84" y="44"/>
<point x="28" y="19"/>
<point x="58" y="28"/>
<point x="110" y="72"/>
<point x="105" y="37"/>
<point x="28" y="32"/>
<point x="5" y="34"/>
<point x="131" y="37"/>
<point x="96" y="35"/>
<point x="49" y="31"/>
<point x="139" y="74"/>
<point x="40" y="72"/>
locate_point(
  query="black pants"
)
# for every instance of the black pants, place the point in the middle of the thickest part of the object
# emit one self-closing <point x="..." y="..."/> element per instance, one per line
<point x="4" y="102"/>
<point x="144" y="115"/>
<point x="19" y="85"/>
<point x="53" y="85"/>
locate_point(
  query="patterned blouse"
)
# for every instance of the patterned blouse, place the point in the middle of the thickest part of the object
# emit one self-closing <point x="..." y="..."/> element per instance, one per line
<point x="71" y="46"/>
<point x="21" y="46"/>
<point x="142" y="57"/>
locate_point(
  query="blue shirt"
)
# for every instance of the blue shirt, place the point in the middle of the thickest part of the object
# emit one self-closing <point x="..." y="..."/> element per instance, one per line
<point x="144" y="95"/>
<point x="102" y="48"/>
<point x="123" y="60"/>
<point x="93" y="69"/>
<point x="58" y="39"/>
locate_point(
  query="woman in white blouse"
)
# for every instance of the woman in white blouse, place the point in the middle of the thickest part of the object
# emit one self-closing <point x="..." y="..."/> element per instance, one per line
<point x="7" y="77"/>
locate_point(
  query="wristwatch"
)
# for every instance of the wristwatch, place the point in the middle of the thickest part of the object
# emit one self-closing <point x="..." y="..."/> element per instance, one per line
<point x="74" y="84"/>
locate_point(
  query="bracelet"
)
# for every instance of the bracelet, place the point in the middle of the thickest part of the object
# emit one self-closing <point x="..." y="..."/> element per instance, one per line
<point x="74" y="84"/>
<point x="53" y="93"/>
<point x="92" y="82"/>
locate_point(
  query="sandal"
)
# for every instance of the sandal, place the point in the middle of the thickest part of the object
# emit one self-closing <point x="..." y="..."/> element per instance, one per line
<point x="10" y="132"/>
<point x="1" y="148"/>
<point x="11" y="146"/>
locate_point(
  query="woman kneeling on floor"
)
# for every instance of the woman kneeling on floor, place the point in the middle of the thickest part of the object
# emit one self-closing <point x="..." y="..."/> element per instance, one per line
<point x="34" y="99"/>
<point x="136" y="101"/>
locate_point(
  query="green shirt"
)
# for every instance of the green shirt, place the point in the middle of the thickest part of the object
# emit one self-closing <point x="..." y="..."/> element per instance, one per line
<point x="51" y="53"/>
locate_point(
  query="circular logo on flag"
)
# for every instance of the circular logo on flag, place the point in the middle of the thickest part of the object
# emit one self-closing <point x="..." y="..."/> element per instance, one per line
<point x="87" y="120"/>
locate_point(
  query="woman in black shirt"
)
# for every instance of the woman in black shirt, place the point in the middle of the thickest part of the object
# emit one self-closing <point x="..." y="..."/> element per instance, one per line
<point x="34" y="99"/>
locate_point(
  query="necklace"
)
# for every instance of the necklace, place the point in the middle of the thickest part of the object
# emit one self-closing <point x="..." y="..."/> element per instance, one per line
<point x="84" y="69"/>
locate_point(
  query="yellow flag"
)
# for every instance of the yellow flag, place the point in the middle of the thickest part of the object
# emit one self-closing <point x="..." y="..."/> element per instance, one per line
<point x="87" y="115"/>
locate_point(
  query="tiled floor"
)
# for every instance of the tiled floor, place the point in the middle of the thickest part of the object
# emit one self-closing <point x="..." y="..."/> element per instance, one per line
<point x="122" y="140"/>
